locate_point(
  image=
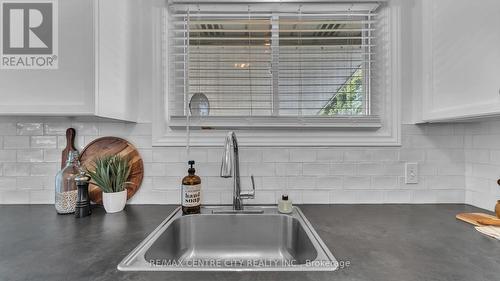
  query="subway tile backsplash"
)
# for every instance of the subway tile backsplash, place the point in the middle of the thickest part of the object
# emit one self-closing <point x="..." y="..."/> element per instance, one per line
<point x="457" y="163"/>
<point x="482" y="163"/>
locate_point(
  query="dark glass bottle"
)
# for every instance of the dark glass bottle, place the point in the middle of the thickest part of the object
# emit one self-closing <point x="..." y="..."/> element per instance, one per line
<point x="191" y="192"/>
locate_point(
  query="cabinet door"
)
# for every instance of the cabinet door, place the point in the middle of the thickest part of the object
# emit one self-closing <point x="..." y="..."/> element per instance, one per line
<point x="118" y="37"/>
<point x="461" y="52"/>
<point x="68" y="90"/>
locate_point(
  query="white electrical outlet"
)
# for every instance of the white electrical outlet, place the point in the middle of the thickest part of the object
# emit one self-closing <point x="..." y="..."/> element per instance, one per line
<point x="411" y="173"/>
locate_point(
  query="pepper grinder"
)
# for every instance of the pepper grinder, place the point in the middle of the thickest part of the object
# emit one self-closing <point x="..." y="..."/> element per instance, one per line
<point x="82" y="201"/>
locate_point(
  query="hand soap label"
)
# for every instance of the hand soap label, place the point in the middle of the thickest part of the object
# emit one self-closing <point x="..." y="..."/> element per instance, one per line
<point x="191" y="195"/>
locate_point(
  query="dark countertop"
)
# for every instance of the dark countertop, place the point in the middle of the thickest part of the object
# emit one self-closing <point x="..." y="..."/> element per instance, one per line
<point x="381" y="242"/>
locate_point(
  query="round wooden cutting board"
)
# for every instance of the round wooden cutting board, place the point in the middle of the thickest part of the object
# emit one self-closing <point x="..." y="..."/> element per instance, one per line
<point x="112" y="146"/>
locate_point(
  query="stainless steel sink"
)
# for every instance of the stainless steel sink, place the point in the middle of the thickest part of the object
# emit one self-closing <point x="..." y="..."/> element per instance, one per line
<point x="220" y="239"/>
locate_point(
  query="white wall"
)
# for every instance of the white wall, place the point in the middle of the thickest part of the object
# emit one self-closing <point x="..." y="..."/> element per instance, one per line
<point x="30" y="154"/>
<point x="482" y="163"/>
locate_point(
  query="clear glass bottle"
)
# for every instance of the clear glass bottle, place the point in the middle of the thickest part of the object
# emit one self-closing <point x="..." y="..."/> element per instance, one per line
<point x="66" y="189"/>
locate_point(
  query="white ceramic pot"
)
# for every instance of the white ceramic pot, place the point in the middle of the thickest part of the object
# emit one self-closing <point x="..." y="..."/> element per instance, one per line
<point x="114" y="202"/>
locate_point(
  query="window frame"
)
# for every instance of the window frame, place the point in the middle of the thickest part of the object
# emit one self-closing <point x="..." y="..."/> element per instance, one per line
<point x="367" y="130"/>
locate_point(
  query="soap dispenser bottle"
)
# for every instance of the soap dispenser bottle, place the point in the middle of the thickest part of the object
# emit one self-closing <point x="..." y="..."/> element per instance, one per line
<point x="191" y="192"/>
<point x="285" y="205"/>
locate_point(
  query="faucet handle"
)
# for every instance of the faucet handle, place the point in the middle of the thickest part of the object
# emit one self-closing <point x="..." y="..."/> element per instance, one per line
<point x="249" y="194"/>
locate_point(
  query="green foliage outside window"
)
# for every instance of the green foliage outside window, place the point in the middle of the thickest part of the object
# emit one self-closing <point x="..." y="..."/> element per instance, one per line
<point x="349" y="98"/>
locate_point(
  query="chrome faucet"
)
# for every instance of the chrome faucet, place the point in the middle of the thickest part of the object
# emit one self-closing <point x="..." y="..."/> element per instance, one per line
<point x="231" y="161"/>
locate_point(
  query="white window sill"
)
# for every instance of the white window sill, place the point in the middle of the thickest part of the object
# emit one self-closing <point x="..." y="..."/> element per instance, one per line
<point x="264" y="122"/>
<point x="268" y="132"/>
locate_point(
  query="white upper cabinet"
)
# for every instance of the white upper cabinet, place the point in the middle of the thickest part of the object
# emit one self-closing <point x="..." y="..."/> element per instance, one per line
<point x="95" y="66"/>
<point x="461" y="59"/>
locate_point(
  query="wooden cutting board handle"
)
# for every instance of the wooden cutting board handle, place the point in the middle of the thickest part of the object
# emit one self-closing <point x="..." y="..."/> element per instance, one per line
<point x="489" y="221"/>
<point x="478" y="219"/>
<point x="70" y="145"/>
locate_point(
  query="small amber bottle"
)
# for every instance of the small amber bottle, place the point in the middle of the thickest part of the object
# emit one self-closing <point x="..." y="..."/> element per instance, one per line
<point x="191" y="192"/>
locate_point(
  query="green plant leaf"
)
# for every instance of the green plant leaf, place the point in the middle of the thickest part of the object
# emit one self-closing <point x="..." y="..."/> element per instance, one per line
<point x="110" y="173"/>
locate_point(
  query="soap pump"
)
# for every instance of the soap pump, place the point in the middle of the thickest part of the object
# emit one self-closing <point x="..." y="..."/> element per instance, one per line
<point x="191" y="192"/>
<point x="285" y="205"/>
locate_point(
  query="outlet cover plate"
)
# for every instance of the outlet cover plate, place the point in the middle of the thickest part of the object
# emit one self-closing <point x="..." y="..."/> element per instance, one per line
<point x="411" y="173"/>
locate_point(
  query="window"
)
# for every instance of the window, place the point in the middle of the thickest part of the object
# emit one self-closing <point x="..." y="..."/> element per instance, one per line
<point x="263" y="66"/>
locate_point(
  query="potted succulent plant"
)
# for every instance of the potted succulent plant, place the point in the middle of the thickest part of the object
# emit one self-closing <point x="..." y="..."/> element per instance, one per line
<point x="110" y="173"/>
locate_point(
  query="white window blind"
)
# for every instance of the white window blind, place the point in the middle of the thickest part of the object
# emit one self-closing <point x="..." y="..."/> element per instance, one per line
<point x="271" y="59"/>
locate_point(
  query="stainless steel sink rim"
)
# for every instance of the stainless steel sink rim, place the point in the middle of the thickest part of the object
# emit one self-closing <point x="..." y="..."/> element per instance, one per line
<point x="136" y="261"/>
